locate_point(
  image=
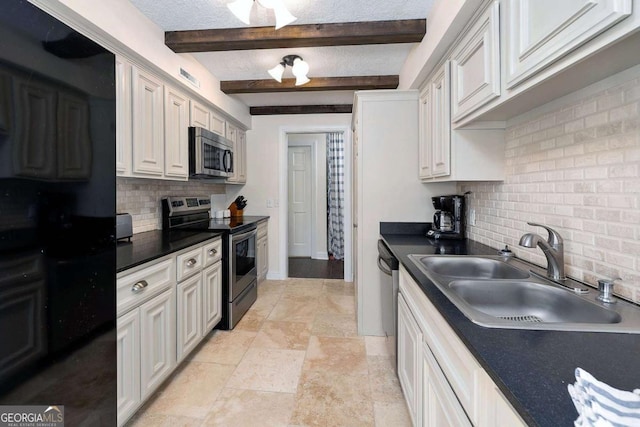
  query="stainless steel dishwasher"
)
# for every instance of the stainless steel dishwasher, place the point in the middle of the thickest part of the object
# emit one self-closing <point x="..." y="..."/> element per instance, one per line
<point x="389" y="265"/>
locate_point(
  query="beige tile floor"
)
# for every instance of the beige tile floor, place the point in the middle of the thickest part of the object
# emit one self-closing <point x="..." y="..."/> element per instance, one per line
<point x="295" y="359"/>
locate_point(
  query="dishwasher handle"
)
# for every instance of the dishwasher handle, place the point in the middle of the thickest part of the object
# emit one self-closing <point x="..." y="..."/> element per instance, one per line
<point x="386" y="261"/>
<point x="384" y="267"/>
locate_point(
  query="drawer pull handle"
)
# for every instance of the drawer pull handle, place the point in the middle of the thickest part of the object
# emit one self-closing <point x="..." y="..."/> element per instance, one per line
<point x="138" y="287"/>
<point x="192" y="262"/>
<point x="212" y="252"/>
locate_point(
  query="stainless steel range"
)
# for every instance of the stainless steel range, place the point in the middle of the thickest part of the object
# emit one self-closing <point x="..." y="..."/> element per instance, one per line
<point x="239" y="286"/>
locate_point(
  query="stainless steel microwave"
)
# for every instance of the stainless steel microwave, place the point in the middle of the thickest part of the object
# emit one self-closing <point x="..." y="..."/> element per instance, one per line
<point x="210" y="154"/>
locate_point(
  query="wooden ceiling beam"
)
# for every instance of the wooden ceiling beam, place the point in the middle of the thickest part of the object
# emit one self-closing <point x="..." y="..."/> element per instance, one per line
<point x="271" y="110"/>
<point x="309" y="35"/>
<point x="316" y="84"/>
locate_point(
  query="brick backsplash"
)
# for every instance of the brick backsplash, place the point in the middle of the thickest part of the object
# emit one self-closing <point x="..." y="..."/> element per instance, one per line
<point x="577" y="170"/>
<point x="141" y="198"/>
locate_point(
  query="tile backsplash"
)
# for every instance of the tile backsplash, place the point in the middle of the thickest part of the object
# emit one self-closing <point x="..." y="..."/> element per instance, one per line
<point x="141" y="198"/>
<point x="575" y="168"/>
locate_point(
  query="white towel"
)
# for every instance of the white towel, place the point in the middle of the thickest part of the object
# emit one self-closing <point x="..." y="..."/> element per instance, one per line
<point x="600" y="405"/>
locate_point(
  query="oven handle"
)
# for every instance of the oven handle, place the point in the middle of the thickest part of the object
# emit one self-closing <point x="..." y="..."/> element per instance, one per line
<point x="243" y="236"/>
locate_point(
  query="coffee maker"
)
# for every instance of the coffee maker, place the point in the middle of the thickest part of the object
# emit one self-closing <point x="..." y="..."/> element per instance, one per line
<point x="448" y="221"/>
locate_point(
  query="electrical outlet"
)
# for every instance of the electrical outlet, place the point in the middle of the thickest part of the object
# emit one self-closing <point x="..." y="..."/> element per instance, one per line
<point x="472" y="217"/>
<point x="276" y="203"/>
<point x="269" y="203"/>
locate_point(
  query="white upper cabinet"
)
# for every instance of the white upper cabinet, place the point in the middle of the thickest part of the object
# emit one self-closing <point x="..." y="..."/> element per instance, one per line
<point x="424" y="134"/>
<point x="200" y="115"/>
<point x="475" y="65"/>
<point x="148" y="132"/>
<point x="441" y="123"/>
<point x="238" y="137"/>
<point x="435" y="126"/>
<point x="539" y="32"/>
<point x="176" y="134"/>
<point x="217" y="124"/>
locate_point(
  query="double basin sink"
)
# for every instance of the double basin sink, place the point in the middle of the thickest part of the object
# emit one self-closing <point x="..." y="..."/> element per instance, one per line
<point x="501" y="292"/>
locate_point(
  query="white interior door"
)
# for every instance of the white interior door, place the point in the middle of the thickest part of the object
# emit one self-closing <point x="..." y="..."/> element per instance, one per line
<point x="299" y="201"/>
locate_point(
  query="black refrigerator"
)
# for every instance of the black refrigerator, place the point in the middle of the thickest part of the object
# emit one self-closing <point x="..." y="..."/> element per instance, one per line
<point x="57" y="221"/>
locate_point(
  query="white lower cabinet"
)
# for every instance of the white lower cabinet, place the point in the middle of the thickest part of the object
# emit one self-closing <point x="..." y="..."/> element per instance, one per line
<point x="128" y="345"/>
<point x="440" y="407"/>
<point x="211" y="297"/>
<point x="262" y="250"/>
<point x="442" y="382"/>
<point x="157" y="340"/>
<point x="409" y="343"/>
<point x="165" y="308"/>
<point x="189" y="328"/>
<point x="146" y="351"/>
<point x="199" y="295"/>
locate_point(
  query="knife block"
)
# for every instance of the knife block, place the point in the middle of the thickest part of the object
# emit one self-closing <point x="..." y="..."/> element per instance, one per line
<point x="235" y="212"/>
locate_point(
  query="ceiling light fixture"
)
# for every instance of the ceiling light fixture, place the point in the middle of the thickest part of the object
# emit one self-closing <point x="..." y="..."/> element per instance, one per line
<point x="299" y="68"/>
<point x="242" y="10"/>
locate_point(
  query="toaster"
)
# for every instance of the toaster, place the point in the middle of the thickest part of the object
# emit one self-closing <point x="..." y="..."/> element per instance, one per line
<point x="124" y="226"/>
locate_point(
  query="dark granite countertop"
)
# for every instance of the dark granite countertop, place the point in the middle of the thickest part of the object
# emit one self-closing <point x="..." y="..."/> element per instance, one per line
<point x="154" y="244"/>
<point x="235" y="223"/>
<point x="531" y="368"/>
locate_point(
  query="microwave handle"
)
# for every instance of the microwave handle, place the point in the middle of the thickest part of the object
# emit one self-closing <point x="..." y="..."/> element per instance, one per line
<point x="228" y="166"/>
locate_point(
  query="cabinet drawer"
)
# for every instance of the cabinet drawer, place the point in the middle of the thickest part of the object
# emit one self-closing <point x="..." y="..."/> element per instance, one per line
<point x="137" y="287"/>
<point x="212" y="252"/>
<point x="189" y="263"/>
<point x="459" y="366"/>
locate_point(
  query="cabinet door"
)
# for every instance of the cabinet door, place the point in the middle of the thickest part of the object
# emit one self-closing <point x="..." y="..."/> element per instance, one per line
<point x="148" y="117"/>
<point x="74" y="141"/>
<point x="176" y="134"/>
<point x="425" y="134"/>
<point x="475" y="65"/>
<point x="232" y="135"/>
<point x="128" y="351"/>
<point x="410" y="360"/>
<point x="263" y="257"/>
<point x="189" y="314"/>
<point x="441" y="123"/>
<point x="440" y="405"/>
<point x="199" y="115"/>
<point x="123" y="117"/>
<point x="495" y="410"/>
<point x="241" y="156"/>
<point x="218" y="124"/>
<point x="211" y="297"/>
<point x="157" y="341"/>
<point x="35" y="152"/>
<point x="535" y="38"/>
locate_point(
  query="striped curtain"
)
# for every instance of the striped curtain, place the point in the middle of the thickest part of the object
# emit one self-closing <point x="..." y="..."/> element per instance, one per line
<point x="335" y="193"/>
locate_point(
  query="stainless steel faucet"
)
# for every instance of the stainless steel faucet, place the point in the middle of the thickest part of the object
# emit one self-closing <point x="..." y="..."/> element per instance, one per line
<point x="552" y="248"/>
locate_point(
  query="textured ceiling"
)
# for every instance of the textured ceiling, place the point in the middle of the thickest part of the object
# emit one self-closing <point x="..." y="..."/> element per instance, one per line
<point x="335" y="61"/>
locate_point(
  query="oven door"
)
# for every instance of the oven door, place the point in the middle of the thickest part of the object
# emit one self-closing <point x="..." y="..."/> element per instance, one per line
<point x="243" y="269"/>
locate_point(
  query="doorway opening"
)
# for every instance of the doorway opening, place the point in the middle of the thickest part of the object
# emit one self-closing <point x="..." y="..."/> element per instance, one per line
<point x="315" y="208"/>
